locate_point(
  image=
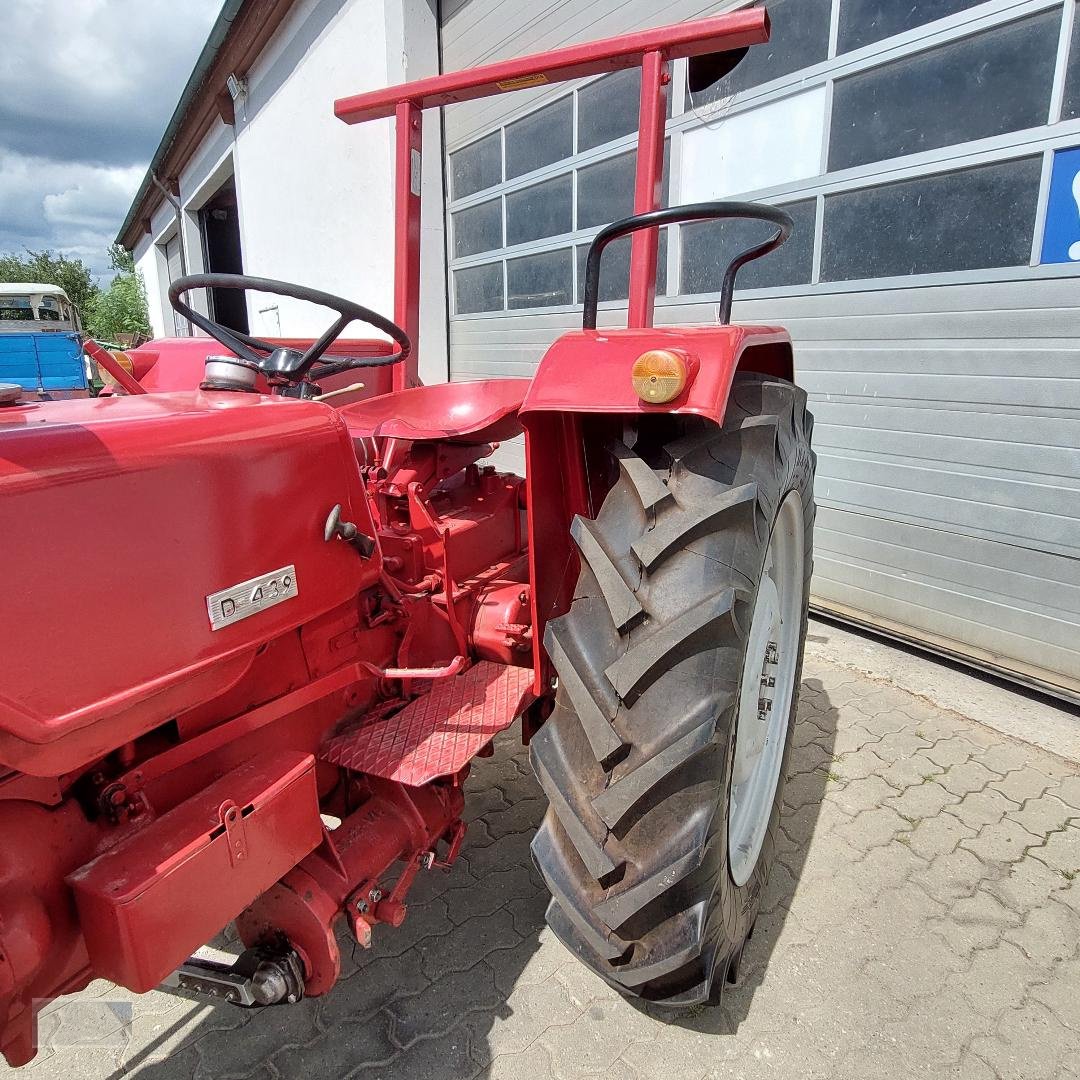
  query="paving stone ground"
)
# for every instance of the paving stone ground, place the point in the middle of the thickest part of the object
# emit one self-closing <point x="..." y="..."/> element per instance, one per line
<point x="923" y="918"/>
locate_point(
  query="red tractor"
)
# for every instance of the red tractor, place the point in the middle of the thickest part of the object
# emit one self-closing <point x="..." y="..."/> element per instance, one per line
<point x="291" y="624"/>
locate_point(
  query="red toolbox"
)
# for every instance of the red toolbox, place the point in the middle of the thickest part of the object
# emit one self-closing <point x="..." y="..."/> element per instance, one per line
<point x="148" y="903"/>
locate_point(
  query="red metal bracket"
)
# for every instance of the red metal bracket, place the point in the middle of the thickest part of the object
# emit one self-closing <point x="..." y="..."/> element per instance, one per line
<point x="232" y="821"/>
<point x="111" y="365"/>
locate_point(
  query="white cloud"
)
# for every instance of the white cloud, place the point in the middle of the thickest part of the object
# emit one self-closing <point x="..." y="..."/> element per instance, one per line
<point x="91" y="202"/>
<point x="86" y="90"/>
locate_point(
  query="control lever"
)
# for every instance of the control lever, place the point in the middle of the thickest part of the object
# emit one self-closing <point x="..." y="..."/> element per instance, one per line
<point x="347" y="531"/>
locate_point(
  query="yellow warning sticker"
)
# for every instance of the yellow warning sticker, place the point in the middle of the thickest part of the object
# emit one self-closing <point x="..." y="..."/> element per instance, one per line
<point x="522" y="81"/>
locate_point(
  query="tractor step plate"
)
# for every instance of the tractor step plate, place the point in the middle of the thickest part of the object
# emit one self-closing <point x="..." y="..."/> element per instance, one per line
<point x="437" y="734"/>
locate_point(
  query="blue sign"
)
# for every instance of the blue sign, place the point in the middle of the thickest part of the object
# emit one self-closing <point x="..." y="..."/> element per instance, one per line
<point x="1061" y="240"/>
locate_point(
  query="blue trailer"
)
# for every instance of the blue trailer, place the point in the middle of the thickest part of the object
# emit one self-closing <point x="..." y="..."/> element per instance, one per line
<point x="40" y="342"/>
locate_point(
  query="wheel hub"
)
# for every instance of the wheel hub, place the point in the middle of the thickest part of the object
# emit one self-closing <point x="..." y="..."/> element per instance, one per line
<point x="767" y="690"/>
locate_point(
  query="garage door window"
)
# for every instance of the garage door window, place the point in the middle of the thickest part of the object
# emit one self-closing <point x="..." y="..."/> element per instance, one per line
<point x="478" y="288"/>
<point x="615" y="269"/>
<point x="551" y="202"/>
<point x="477" y="167"/>
<point x="862" y="22"/>
<point x="478" y="228"/>
<point x="540" y="210"/>
<point x="908" y="140"/>
<point x="544" y="280"/>
<point x="608" y="109"/>
<point x="541" y="139"/>
<point x="988" y="84"/>
<point x="1070" y="108"/>
<point x="606" y="191"/>
<point x="933" y="225"/>
<point x="709" y="246"/>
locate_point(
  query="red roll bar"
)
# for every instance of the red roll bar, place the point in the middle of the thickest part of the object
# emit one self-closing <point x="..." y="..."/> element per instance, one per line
<point x="648" y="49"/>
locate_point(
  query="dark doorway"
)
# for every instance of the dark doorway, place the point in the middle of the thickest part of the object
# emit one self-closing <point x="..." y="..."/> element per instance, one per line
<point x="220" y="224"/>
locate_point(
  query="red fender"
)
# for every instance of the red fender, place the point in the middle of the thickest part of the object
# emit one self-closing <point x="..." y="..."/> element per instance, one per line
<point x="588" y="371"/>
<point x="577" y="404"/>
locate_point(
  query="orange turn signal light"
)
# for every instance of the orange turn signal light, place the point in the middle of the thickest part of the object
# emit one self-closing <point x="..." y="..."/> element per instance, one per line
<point x="659" y="376"/>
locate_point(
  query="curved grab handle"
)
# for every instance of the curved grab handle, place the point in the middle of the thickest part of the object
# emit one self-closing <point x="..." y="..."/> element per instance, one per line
<point x="673" y="215"/>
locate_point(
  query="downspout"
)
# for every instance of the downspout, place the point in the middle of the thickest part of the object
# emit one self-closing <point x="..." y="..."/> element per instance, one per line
<point x="175" y="202"/>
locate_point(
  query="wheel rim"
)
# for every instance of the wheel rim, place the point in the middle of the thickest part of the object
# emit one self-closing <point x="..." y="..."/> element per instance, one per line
<point x="767" y="690"/>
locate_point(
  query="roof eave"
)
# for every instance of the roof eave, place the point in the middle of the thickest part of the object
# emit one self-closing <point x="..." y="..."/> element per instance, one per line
<point x="240" y="32"/>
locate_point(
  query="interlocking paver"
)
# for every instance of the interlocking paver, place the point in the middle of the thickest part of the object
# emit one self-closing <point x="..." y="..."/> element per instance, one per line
<point x="908" y="771"/>
<point x="532" y="961"/>
<point x="1006" y="757"/>
<point x="592" y="1043"/>
<point x="439" y="1007"/>
<point x="940" y="835"/>
<point x="975" y="922"/>
<point x="449" y="1058"/>
<point x="1028" y="884"/>
<point x="859" y="795"/>
<point x="527" y="913"/>
<point x="951" y="877"/>
<point x="1022" y="784"/>
<point x="922" y="801"/>
<point x="380" y="981"/>
<point x="1060" y="997"/>
<point x="980" y="808"/>
<point x="1068" y="790"/>
<point x="1061" y="851"/>
<point x="488" y="895"/>
<point x="859" y="764"/>
<point x="997" y="979"/>
<point x="1006" y="842"/>
<point x="946" y="753"/>
<point x="923" y="916"/>
<point x="932" y="1036"/>
<point x="533" y="1063"/>
<point x="466" y="944"/>
<point x="338" y="1052"/>
<point x="1044" y="815"/>
<point x="872" y="828"/>
<point x="527" y="1013"/>
<point x="1030" y="1042"/>
<point x="969" y="777"/>
<point x="1049" y="934"/>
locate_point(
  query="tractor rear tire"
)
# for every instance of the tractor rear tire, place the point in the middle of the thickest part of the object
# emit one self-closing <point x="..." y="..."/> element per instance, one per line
<point x="655" y="683"/>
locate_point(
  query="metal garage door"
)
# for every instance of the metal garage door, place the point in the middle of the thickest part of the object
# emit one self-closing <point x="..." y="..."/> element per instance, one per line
<point x="935" y="320"/>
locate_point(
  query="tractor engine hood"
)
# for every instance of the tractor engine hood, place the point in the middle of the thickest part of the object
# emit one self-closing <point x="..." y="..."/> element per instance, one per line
<point x="128" y="527"/>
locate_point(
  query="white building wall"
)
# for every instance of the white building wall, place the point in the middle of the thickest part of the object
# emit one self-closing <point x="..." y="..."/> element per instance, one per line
<point x="315" y="195"/>
<point x="150" y="263"/>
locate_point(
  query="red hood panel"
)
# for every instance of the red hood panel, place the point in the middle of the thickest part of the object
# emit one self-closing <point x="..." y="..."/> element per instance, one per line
<point x="119" y="518"/>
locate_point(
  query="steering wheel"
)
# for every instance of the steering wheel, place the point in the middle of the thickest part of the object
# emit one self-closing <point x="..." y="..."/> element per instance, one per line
<point x="282" y="365"/>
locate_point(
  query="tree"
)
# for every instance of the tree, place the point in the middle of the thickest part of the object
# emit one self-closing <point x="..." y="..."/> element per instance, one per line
<point x="121" y="308"/>
<point x="106" y="313"/>
<point x="121" y="259"/>
<point x="49" y="268"/>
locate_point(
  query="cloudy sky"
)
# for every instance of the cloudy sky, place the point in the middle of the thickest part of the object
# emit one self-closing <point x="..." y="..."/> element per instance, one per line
<point x="86" y="89"/>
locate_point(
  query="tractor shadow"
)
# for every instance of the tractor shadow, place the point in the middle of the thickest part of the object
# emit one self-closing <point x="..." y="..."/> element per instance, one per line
<point x="462" y="981"/>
